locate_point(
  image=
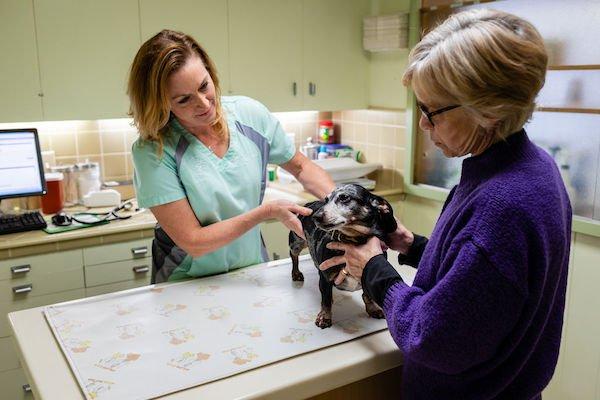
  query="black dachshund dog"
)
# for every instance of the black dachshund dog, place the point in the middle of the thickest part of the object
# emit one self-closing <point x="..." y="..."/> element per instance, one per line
<point x="350" y="214"/>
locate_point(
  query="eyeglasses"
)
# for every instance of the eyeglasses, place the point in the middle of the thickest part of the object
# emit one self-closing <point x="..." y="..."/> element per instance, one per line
<point x="430" y="115"/>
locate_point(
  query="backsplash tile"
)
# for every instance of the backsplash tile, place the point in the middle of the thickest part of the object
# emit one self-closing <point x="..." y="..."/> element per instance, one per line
<point x="379" y="135"/>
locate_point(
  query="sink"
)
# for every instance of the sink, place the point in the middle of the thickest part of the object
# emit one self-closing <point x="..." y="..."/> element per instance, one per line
<point x="277" y="194"/>
<point x="339" y="169"/>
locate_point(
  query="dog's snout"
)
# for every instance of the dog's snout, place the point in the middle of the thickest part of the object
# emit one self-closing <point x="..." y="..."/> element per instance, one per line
<point x="318" y="215"/>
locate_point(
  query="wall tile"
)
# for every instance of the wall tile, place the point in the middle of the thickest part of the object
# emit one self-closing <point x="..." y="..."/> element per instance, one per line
<point x="374" y="134"/>
<point x="130" y="138"/>
<point x="346" y="132"/>
<point x="399" y="158"/>
<point x="66" y="160"/>
<point x="400" y="137"/>
<point x="386" y="157"/>
<point x="113" y="142"/>
<point x="129" y="166"/>
<point x="88" y="142"/>
<point x="64" y="144"/>
<point x="348" y="116"/>
<point x="379" y="135"/>
<point x="113" y="166"/>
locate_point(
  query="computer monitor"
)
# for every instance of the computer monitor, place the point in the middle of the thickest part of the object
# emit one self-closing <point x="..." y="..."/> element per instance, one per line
<point x="21" y="169"/>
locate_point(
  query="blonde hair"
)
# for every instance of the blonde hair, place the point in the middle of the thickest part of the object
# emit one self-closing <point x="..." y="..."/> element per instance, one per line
<point x="156" y="60"/>
<point x="490" y="62"/>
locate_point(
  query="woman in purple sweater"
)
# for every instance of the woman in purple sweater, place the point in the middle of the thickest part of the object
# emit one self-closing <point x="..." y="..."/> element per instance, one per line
<point x="484" y="315"/>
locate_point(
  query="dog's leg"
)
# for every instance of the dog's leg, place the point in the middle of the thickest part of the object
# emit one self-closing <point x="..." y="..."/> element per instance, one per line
<point x="372" y="308"/>
<point x="297" y="244"/>
<point x="324" y="316"/>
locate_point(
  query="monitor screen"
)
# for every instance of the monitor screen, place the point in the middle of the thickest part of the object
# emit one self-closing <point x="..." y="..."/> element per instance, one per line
<point x="21" y="169"/>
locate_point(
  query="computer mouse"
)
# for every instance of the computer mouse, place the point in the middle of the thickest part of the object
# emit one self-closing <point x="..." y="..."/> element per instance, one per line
<point x="61" y="219"/>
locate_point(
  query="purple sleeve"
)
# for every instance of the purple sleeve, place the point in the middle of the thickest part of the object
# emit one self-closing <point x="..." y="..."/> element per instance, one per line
<point x="460" y="322"/>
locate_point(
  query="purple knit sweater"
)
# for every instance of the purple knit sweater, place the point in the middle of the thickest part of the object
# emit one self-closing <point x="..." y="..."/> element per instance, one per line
<point x="483" y="318"/>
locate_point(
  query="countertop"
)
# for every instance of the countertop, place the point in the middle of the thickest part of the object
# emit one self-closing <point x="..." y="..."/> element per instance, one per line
<point x="299" y="377"/>
<point x="140" y="225"/>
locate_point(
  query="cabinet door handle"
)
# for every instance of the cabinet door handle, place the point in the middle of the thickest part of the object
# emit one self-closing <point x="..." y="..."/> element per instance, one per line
<point x="139" y="251"/>
<point x="295" y="88"/>
<point x="312" y="88"/>
<point x="20" y="269"/>
<point x="22" y="288"/>
<point x="141" y="269"/>
<point x="26" y="388"/>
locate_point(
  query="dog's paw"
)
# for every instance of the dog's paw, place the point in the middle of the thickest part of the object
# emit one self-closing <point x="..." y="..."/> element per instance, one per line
<point x="298" y="276"/>
<point x="376" y="313"/>
<point x="323" y="320"/>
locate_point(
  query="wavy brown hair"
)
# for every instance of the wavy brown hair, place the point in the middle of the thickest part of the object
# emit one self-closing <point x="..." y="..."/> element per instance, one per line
<point x="156" y="60"/>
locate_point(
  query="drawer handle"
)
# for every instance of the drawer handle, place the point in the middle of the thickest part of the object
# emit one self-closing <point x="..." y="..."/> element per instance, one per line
<point x="26" y="388"/>
<point x="141" y="269"/>
<point x="20" y="269"/>
<point x="138" y="251"/>
<point x="22" y="288"/>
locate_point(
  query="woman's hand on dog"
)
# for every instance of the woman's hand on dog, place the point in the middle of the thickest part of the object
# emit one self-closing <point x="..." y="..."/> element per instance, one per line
<point x="401" y="239"/>
<point x="355" y="257"/>
<point x="287" y="213"/>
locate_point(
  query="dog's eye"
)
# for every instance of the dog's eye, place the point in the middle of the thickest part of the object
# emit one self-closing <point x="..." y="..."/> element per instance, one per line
<point x="343" y="197"/>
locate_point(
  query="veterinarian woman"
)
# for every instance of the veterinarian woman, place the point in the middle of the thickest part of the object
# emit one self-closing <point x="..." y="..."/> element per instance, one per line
<point x="200" y="162"/>
<point x="484" y="315"/>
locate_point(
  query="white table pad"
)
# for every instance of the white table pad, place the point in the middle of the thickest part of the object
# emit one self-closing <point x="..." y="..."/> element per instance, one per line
<point x="151" y="341"/>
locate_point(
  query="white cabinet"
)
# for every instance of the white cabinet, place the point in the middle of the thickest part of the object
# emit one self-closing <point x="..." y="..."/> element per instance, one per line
<point x="19" y="74"/>
<point x="577" y="374"/>
<point x="335" y="65"/>
<point x="299" y="55"/>
<point x="204" y="20"/>
<point x="85" y="50"/>
<point x="266" y="51"/>
<point x="70" y="59"/>
<point x="118" y="266"/>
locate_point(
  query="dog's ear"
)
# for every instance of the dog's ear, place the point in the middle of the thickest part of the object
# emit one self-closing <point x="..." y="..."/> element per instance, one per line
<point x="385" y="213"/>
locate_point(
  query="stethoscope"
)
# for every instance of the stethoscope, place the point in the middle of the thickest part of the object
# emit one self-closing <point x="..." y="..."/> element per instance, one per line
<point x="63" y="219"/>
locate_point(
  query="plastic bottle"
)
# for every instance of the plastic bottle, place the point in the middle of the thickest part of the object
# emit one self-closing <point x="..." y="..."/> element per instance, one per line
<point x="310" y="149"/>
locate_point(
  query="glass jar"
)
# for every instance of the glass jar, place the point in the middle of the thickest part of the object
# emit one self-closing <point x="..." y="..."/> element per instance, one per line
<point x="89" y="178"/>
<point x="326" y="132"/>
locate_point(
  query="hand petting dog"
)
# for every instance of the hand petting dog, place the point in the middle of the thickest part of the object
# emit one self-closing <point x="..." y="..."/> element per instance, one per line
<point x="287" y="213"/>
<point x="355" y="257"/>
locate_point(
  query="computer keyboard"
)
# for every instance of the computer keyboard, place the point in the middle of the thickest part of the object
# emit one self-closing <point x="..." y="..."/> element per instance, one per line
<point x="21" y="222"/>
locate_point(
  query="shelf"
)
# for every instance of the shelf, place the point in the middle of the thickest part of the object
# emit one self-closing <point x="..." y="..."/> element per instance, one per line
<point x="584" y="67"/>
<point x="572" y="110"/>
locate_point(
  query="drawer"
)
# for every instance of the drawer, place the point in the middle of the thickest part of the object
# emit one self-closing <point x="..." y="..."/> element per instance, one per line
<point x="115" y="287"/>
<point x="117" y="252"/>
<point x="12" y="383"/>
<point x="103" y="274"/>
<point x="42" y="284"/>
<point x="40" y="265"/>
<point x="8" y="354"/>
<point x="31" y="302"/>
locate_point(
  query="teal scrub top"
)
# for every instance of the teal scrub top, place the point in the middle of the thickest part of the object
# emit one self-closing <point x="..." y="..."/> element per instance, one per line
<point x="216" y="188"/>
